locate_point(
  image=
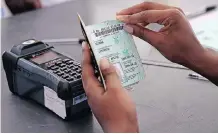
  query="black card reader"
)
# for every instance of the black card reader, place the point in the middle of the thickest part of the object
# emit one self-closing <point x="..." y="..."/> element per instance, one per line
<point x="35" y="70"/>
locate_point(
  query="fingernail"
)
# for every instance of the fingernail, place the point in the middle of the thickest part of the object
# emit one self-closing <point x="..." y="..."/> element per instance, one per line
<point x="119" y="13"/>
<point x="128" y="29"/>
<point x="120" y="17"/>
<point x="104" y="63"/>
<point x="84" y="45"/>
<point x="118" y="71"/>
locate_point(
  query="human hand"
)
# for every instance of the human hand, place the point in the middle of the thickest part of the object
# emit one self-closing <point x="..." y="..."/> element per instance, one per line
<point x="113" y="107"/>
<point x="176" y="40"/>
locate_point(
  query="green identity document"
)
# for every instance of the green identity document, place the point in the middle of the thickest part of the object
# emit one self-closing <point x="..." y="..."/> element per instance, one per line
<point x="109" y="40"/>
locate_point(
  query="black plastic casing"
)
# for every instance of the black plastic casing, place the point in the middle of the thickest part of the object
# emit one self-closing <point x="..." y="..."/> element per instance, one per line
<point x="27" y="79"/>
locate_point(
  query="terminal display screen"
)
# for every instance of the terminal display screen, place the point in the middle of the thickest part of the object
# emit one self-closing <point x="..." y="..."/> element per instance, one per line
<point x="45" y="57"/>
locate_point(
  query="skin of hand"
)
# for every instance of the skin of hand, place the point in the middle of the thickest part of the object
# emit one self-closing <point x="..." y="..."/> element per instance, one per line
<point x="176" y="40"/>
<point x="113" y="107"/>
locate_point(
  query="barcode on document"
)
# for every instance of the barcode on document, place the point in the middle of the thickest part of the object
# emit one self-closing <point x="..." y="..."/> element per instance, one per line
<point x="109" y="31"/>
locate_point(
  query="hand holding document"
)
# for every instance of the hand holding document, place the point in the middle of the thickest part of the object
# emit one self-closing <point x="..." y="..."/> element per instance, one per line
<point x="109" y="40"/>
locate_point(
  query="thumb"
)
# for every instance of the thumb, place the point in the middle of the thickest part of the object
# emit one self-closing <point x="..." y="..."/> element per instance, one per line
<point x="109" y="73"/>
<point x="152" y="37"/>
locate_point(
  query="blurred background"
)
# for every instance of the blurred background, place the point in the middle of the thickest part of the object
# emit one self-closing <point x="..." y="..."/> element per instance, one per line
<point x="96" y="11"/>
<point x="13" y="7"/>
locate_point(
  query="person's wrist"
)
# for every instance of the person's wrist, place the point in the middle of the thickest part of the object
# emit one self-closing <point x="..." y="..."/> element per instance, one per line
<point x="193" y="56"/>
<point x="203" y="61"/>
<point x="210" y="67"/>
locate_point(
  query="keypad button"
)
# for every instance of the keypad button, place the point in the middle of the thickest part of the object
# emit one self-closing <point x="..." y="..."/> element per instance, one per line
<point x="62" y="65"/>
<point x="78" y="76"/>
<point x="56" y="71"/>
<point x="50" y="66"/>
<point x="54" y="68"/>
<point x="65" y="76"/>
<point x="60" y="73"/>
<point x="67" y="71"/>
<point x="66" y="60"/>
<point x="71" y="66"/>
<point x="58" y="63"/>
<point x="73" y="73"/>
<point x="79" y="71"/>
<point x="69" y="62"/>
<point x="64" y="68"/>
<point x="70" y="79"/>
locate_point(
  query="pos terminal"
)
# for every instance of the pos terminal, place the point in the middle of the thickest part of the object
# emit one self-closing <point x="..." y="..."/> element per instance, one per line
<point x="35" y="70"/>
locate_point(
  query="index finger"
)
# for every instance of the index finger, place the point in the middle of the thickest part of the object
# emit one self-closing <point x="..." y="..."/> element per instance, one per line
<point x="142" y="7"/>
<point x="91" y="84"/>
